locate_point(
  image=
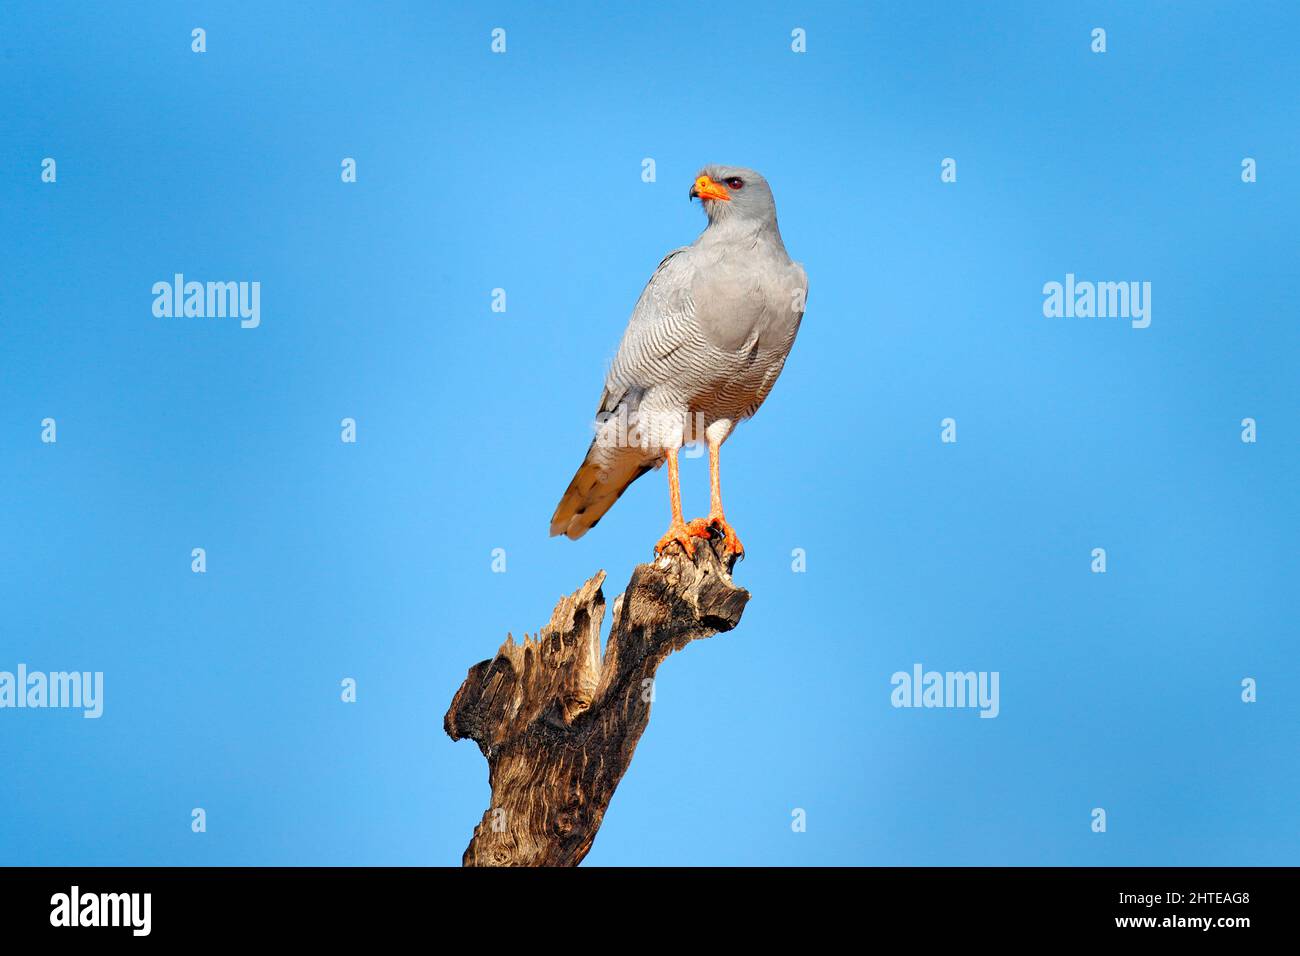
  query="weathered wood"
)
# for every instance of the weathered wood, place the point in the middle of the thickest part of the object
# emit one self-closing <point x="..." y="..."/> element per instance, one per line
<point x="558" y="726"/>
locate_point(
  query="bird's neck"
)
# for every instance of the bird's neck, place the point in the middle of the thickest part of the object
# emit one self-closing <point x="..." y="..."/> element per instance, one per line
<point x="747" y="233"/>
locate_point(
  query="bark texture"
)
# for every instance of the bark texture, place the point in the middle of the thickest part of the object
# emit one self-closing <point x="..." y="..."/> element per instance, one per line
<point x="558" y="725"/>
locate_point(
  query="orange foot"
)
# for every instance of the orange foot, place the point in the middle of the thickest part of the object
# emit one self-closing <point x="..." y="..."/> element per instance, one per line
<point x="678" y="532"/>
<point x="701" y="528"/>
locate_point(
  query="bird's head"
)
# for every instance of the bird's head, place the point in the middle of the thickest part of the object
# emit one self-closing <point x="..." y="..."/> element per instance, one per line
<point x="734" y="194"/>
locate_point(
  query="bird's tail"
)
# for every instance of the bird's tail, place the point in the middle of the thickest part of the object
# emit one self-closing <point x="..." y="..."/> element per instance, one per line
<point x="593" y="491"/>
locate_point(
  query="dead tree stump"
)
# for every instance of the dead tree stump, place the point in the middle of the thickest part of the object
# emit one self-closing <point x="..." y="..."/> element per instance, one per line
<point x="558" y="726"/>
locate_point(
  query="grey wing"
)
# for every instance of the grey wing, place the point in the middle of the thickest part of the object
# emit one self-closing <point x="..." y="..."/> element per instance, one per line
<point x="661" y="323"/>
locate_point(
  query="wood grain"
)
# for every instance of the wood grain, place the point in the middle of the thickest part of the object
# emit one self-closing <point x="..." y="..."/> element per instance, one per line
<point x="558" y="725"/>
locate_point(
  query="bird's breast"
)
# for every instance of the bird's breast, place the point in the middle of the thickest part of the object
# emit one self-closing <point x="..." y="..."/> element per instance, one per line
<point x="747" y="305"/>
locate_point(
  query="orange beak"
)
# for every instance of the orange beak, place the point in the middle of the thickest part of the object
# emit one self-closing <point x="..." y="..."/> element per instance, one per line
<point x="706" y="188"/>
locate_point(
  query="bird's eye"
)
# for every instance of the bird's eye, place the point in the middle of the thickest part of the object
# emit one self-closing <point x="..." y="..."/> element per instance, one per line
<point x="735" y="182"/>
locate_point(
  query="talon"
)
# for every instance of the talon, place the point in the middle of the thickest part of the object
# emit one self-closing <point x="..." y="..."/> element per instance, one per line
<point x="680" y="533"/>
<point x="701" y="528"/>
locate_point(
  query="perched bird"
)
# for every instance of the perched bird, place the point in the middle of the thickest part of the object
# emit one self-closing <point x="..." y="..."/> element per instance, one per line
<point x="706" y="342"/>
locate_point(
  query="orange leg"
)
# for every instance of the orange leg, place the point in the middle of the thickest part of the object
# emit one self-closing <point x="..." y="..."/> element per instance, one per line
<point x="677" y="529"/>
<point x="700" y="526"/>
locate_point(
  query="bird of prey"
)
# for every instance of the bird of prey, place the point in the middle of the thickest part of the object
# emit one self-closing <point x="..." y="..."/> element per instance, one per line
<point x="705" y="344"/>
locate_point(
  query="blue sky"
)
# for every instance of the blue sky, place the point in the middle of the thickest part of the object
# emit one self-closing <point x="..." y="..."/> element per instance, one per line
<point x="522" y="171"/>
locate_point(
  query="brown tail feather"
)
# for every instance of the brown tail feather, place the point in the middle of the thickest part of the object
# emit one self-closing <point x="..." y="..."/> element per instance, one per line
<point x="592" y="492"/>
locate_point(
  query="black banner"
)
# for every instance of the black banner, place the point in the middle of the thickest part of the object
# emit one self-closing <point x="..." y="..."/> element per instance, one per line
<point x="246" y="904"/>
